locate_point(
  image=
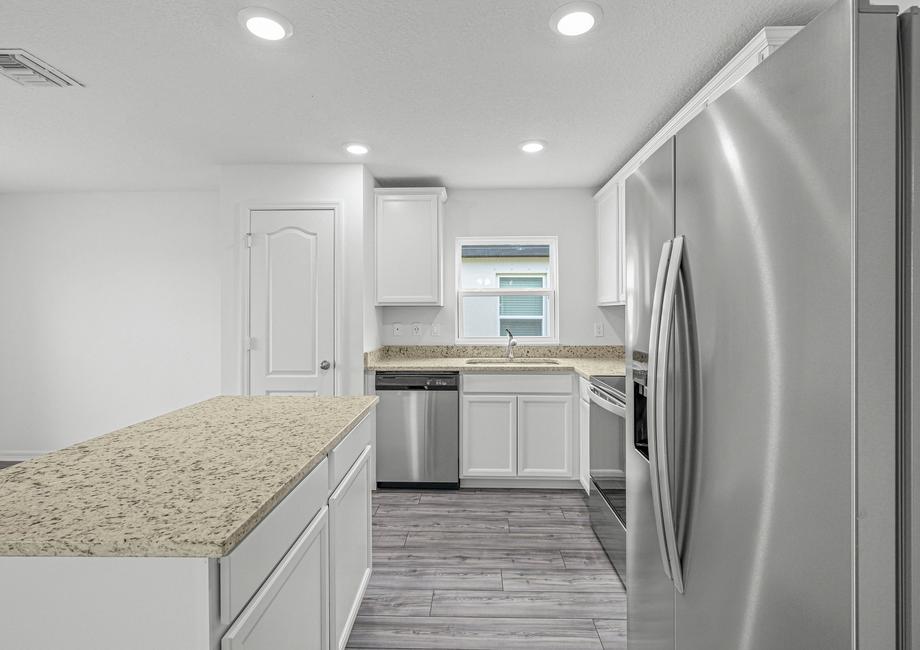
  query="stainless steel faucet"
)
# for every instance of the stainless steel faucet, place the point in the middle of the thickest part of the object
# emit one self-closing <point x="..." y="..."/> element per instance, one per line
<point x="511" y="343"/>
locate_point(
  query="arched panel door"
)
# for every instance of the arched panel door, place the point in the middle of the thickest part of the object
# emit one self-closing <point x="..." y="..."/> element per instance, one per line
<point x="292" y="304"/>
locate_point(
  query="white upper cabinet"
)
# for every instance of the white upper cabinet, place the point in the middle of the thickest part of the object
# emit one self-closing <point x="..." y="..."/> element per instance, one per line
<point x="409" y="251"/>
<point x="611" y="240"/>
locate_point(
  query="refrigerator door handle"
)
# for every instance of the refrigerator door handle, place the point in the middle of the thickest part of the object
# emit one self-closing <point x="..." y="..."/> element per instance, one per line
<point x="660" y="408"/>
<point x="652" y="427"/>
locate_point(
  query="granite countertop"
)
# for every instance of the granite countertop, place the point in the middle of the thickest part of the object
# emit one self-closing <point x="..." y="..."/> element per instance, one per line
<point x="191" y="483"/>
<point x="586" y="361"/>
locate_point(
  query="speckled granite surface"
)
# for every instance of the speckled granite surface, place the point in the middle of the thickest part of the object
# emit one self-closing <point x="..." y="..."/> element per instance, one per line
<point x="587" y="361"/>
<point x="191" y="483"/>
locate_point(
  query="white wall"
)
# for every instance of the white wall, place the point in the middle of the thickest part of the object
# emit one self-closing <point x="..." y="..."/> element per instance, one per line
<point x="110" y="312"/>
<point x="565" y="213"/>
<point x="244" y="187"/>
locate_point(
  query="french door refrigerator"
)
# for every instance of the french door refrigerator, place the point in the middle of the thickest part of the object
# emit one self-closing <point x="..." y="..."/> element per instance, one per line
<point x="762" y="319"/>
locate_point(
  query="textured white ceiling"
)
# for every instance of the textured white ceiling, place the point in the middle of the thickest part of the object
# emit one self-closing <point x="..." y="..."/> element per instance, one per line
<point x="442" y="90"/>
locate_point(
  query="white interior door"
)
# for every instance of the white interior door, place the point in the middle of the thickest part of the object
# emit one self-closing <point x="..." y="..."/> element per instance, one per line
<point x="292" y="302"/>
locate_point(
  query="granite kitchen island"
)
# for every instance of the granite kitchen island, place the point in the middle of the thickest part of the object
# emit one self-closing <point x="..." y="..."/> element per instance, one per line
<point x="238" y="522"/>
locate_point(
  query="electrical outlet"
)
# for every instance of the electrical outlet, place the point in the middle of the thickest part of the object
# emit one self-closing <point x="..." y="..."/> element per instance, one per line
<point x="436" y="329"/>
<point x="598" y="329"/>
<point x="397" y="329"/>
<point x="416" y="329"/>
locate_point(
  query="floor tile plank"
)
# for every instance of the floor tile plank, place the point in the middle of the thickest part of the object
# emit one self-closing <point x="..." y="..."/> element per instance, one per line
<point x="473" y="558"/>
<point x="396" y="602"/>
<point x="508" y="540"/>
<point x="432" y="633"/>
<point x="574" y="514"/>
<point x="496" y="512"/>
<point x="586" y="560"/>
<point x="612" y="633"/>
<point x="566" y="580"/>
<point x="435" y="578"/>
<point x="389" y="540"/>
<point x="561" y="527"/>
<point x="539" y="604"/>
<point x="443" y="524"/>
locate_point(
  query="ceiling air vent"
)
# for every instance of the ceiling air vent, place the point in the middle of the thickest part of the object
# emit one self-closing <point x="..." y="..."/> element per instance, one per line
<point x="28" y="70"/>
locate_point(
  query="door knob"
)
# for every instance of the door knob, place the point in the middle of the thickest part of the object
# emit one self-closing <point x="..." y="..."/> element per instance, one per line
<point x="325" y="365"/>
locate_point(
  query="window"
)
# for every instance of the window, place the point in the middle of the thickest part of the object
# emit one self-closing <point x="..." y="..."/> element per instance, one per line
<point x="506" y="284"/>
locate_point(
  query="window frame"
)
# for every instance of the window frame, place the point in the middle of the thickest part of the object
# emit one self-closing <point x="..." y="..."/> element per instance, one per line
<point x="550" y="291"/>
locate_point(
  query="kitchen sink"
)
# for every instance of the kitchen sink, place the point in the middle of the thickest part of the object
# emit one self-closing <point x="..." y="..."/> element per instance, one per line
<point x="487" y="361"/>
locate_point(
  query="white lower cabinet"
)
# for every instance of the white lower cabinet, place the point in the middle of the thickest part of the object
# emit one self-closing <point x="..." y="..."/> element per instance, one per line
<point x="517" y="435"/>
<point x="350" y="554"/>
<point x="545" y="436"/>
<point x="291" y="609"/>
<point x="488" y="439"/>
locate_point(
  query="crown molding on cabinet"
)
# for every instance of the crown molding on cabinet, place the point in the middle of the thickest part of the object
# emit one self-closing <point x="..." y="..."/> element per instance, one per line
<point x="767" y="41"/>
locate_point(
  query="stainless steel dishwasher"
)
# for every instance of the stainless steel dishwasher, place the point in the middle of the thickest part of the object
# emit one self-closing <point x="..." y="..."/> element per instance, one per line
<point x="418" y="430"/>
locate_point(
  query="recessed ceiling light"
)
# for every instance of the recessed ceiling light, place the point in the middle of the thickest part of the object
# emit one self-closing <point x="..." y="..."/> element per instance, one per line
<point x="533" y="146"/>
<point x="356" y="148"/>
<point x="576" y="18"/>
<point x="265" y="23"/>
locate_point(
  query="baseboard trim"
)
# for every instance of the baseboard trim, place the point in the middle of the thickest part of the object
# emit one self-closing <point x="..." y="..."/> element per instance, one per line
<point x="525" y="483"/>
<point x="19" y="456"/>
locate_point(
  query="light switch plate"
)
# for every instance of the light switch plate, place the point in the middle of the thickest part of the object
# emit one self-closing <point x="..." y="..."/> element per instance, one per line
<point x="416" y="329"/>
<point x="397" y="329"/>
<point x="598" y="329"/>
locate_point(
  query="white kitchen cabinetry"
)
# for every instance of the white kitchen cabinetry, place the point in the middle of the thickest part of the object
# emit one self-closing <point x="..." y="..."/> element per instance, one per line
<point x="350" y="540"/>
<point x="525" y="432"/>
<point x="611" y="239"/>
<point x="291" y="609"/>
<point x="409" y="253"/>
<point x="544" y="436"/>
<point x="488" y="438"/>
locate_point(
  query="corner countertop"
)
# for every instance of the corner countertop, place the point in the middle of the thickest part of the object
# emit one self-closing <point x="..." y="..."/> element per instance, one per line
<point x="586" y="361"/>
<point x="191" y="483"/>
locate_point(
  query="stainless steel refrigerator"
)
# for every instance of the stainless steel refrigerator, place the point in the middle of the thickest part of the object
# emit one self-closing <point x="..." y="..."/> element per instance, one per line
<point x="765" y="261"/>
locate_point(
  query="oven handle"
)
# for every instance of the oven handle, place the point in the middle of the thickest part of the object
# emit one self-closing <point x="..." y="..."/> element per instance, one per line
<point x="606" y="403"/>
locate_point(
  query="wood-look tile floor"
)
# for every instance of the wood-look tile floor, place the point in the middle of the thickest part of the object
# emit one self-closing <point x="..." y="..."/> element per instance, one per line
<point x="488" y="570"/>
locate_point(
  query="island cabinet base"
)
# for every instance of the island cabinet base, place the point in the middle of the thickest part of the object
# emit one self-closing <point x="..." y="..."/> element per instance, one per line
<point x="296" y="581"/>
<point x="84" y="603"/>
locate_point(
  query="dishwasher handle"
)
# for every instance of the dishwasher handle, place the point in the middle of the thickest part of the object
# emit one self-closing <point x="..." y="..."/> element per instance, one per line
<point x="414" y="381"/>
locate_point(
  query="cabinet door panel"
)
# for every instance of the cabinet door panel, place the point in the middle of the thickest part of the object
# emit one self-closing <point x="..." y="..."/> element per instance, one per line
<point x="291" y="610"/>
<point x="610" y="242"/>
<point x="545" y="446"/>
<point x="488" y="435"/>
<point x="350" y="555"/>
<point x="408" y="233"/>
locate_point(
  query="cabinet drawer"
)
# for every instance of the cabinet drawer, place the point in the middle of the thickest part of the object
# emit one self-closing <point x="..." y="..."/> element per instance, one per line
<point x="292" y="608"/>
<point x="251" y="562"/>
<point x="560" y="383"/>
<point x="344" y="455"/>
